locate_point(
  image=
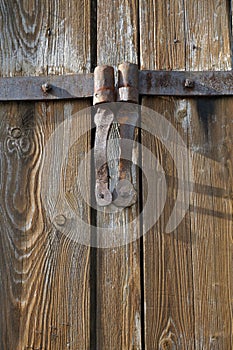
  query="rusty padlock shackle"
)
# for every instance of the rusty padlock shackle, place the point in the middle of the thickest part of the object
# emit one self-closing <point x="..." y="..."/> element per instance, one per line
<point x="124" y="194"/>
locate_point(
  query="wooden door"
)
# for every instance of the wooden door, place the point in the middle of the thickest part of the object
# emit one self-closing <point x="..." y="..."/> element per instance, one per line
<point x="164" y="290"/>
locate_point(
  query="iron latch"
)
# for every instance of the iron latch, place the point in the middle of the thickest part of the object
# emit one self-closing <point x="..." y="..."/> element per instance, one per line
<point x="124" y="194"/>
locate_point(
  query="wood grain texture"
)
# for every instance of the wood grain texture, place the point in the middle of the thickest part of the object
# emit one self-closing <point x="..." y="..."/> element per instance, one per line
<point x="211" y="222"/>
<point x="168" y="276"/>
<point x="117" y="32"/>
<point x="168" y="280"/>
<point x="45" y="278"/>
<point x="187" y="299"/>
<point x="118" y="315"/>
<point x="162" y="37"/>
<point x="211" y="219"/>
<point x="44" y="37"/>
<point x="47" y="284"/>
<point x="207" y="33"/>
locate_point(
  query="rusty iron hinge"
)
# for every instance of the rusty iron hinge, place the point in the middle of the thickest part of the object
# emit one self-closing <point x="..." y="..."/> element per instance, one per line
<point x="151" y="83"/>
<point x="124" y="194"/>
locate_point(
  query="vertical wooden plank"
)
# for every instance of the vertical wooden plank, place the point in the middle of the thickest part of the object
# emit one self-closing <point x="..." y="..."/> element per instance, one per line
<point x="117" y="29"/>
<point x="46" y="267"/>
<point x="162" y="37"/>
<point x="168" y="280"/>
<point x="118" y="315"/>
<point x="13" y="208"/>
<point x="44" y="37"/>
<point x="44" y="274"/>
<point x="187" y="300"/>
<point x="208" y="48"/>
<point x="207" y="27"/>
<point x="211" y="222"/>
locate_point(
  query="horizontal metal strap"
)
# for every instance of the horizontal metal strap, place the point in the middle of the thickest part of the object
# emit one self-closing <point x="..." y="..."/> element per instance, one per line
<point x="179" y="83"/>
<point x="154" y="83"/>
<point x="35" y="89"/>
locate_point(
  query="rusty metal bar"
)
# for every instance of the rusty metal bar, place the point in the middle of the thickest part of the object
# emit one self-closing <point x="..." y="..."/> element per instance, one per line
<point x="178" y="83"/>
<point x="41" y="88"/>
<point x="127" y="117"/>
<point x="154" y="83"/>
<point x="104" y="91"/>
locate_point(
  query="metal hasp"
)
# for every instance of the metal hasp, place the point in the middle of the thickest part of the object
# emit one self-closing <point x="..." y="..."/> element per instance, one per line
<point x="124" y="194"/>
<point x="127" y="117"/>
<point x="104" y="91"/>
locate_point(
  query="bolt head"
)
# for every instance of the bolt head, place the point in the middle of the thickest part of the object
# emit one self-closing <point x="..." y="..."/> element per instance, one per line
<point x="189" y="83"/>
<point x="16" y="133"/>
<point x="46" y="87"/>
<point x="103" y="195"/>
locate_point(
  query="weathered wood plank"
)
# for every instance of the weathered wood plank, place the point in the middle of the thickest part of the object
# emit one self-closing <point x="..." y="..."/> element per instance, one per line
<point x="44" y="37"/>
<point x="168" y="281"/>
<point x="162" y="38"/>
<point x="208" y="47"/>
<point x="203" y="240"/>
<point x="13" y="209"/>
<point x="207" y="30"/>
<point x="50" y="307"/>
<point x="68" y="307"/>
<point x="211" y="222"/>
<point x="44" y="274"/>
<point x="169" y="319"/>
<point x="118" y="315"/>
<point x="117" y="32"/>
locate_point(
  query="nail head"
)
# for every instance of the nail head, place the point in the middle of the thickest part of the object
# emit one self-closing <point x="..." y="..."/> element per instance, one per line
<point x="16" y="133"/>
<point x="46" y="87"/>
<point x="189" y="83"/>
